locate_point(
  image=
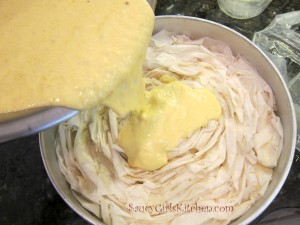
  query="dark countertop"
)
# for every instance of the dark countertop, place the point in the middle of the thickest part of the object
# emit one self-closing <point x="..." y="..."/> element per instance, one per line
<point x="27" y="195"/>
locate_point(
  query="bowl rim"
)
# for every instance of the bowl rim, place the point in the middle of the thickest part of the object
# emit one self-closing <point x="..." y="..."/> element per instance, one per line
<point x="80" y="211"/>
<point x="94" y="220"/>
<point x="35" y="122"/>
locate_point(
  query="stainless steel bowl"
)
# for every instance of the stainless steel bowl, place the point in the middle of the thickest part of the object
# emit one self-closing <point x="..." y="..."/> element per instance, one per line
<point x="197" y="28"/>
<point x="32" y="121"/>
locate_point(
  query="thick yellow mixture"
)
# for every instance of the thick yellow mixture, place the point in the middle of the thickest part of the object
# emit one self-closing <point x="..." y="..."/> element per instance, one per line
<point x="173" y="111"/>
<point x="78" y="54"/>
<point x="73" y="53"/>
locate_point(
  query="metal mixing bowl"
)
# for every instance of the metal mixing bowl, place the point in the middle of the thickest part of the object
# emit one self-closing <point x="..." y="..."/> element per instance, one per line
<point x="197" y="28"/>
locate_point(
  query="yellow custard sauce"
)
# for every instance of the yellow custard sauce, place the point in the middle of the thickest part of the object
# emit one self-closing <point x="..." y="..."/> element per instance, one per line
<point x="73" y="53"/>
<point x="172" y="111"/>
<point x="79" y="54"/>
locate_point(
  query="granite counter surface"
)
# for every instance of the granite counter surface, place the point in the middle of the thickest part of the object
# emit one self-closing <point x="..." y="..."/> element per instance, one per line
<point x="27" y="195"/>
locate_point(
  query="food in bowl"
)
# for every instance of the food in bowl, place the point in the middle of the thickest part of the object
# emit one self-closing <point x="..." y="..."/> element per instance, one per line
<point x="213" y="176"/>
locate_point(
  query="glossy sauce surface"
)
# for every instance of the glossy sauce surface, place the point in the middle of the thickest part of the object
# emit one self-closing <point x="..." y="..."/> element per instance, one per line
<point x="172" y="111"/>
